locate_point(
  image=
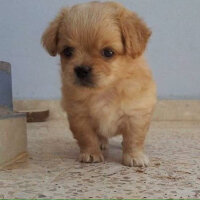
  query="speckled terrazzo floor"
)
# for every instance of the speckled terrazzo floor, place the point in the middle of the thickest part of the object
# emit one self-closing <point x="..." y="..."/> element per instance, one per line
<point x="53" y="171"/>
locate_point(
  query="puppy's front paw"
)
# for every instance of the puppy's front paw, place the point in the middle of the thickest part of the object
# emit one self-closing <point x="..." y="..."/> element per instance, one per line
<point x="138" y="159"/>
<point x="91" y="157"/>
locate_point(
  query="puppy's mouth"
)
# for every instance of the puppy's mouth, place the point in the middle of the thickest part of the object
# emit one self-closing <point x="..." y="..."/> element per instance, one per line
<point x="84" y="82"/>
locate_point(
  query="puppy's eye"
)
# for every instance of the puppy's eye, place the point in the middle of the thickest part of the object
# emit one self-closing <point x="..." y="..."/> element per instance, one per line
<point x="108" y="53"/>
<point x="68" y="52"/>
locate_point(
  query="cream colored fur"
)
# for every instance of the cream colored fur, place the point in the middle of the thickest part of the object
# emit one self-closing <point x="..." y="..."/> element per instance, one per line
<point x="124" y="93"/>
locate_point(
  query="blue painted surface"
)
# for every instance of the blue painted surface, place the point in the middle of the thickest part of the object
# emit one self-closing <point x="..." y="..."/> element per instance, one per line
<point x="6" y="86"/>
<point x="6" y="92"/>
<point x="173" y="51"/>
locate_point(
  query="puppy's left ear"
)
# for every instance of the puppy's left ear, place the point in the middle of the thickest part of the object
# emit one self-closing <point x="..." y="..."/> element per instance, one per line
<point x="50" y="37"/>
<point x="135" y="33"/>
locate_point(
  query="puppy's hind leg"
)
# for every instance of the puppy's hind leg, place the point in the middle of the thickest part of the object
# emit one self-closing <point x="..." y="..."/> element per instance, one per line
<point x="103" y="142"/>
<point x="87" y="139"/>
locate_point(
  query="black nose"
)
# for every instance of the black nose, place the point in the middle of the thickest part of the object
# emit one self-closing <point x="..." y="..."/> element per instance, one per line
<point x="82" y="71"/>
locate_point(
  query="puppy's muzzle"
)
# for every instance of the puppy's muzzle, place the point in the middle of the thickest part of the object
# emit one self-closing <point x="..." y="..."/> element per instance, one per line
<point x="84" y="75"/>
<point x="83" y="72"/>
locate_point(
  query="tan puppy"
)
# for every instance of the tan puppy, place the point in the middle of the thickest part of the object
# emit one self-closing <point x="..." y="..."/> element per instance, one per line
<point x="107" y="87"/>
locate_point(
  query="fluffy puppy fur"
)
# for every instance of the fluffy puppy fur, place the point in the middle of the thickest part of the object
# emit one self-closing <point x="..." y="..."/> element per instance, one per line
<point x="107" y="87"/>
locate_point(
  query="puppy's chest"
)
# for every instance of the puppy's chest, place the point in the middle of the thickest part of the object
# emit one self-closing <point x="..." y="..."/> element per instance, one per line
<point x="108" y="111"/>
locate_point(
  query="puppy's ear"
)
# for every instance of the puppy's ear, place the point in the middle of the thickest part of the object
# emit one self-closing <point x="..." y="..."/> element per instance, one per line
<point x="50" y="36"/>
<point x="135" y="33"/>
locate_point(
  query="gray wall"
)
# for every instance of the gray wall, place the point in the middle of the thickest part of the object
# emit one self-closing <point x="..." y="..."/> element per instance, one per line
<point x="173" y="52"/>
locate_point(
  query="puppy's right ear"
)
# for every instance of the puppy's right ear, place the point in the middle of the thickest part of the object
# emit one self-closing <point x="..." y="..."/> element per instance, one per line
<point x="50" y="37"/>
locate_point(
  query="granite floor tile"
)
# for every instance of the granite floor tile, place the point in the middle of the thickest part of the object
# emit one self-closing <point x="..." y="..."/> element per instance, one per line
<point x="52" y="170"/>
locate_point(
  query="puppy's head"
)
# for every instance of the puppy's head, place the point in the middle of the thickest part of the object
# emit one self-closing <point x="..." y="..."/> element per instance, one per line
<point x="95" y="41"/>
